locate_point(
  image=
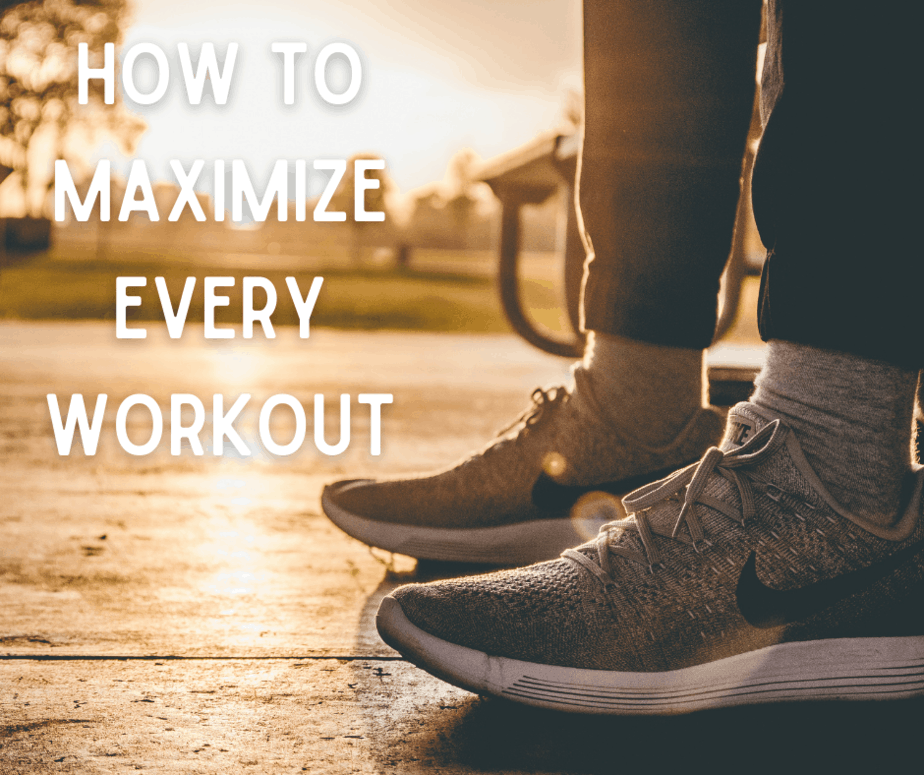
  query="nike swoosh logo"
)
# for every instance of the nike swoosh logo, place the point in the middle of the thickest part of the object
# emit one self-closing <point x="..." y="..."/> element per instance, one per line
<point x="549" y="495"/>
<point x="765" y="607"/>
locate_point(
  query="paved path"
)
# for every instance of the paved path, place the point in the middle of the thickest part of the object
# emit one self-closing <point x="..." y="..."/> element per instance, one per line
<point x="186" y="614"/>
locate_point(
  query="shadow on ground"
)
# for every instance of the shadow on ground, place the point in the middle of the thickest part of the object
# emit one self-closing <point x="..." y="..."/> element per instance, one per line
<point x="489" y="735"/>
<point x="454" y="731"/>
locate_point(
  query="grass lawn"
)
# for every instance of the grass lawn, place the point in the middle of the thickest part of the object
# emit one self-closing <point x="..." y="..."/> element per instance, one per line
<point x="55" y="287"/>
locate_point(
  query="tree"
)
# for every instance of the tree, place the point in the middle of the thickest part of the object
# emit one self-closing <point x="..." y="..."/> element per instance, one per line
<point x="40" y="118"/>
<point x="377" y="200"/>
<point x="460" y="187"/>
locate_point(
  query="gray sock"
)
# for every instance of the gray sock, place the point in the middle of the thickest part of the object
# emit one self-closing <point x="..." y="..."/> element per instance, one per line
<point x="853" y="419"/>
<point x="648" y="390"/>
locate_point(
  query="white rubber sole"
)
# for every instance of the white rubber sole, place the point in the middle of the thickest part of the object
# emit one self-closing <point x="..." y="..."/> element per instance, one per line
<point x="522" y="543"/>
<point x="837" y="669"/>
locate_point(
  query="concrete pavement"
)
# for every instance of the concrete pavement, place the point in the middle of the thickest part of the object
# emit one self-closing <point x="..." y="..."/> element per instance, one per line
<point x="184" y="614"/>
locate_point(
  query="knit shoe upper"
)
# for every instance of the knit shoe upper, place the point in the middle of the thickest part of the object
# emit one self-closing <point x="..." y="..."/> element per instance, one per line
<point x="562" y="439"/>
<point x="741" y="551"/>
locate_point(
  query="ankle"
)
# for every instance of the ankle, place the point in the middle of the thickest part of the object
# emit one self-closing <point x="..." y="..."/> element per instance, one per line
<point x="650" y="391"/>
<point x="853" y="419"/>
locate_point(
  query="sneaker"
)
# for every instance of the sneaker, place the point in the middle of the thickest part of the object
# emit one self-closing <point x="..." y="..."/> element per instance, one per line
<point x="737" y="580"/>
<point x="526" y="497"/>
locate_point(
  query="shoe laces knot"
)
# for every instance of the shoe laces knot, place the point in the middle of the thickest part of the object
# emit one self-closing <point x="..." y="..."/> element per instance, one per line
<point x="543" y="400"/>
<point x="693" y="480"/>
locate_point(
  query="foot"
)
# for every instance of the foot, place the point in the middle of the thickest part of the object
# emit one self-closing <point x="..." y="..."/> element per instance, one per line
<point x="738" y="580"/>
<point x="524" y="498"/>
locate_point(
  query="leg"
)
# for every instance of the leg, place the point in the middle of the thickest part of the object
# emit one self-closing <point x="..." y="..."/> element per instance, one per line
<point x="830" y="190"/>
<point x="840" y="293"/>
<point x="748" y="577"/>
<point x="659" y="194"/>
<point x="670" y="87"/>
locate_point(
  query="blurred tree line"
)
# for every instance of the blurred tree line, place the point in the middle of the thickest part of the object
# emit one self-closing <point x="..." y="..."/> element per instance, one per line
<point x="40" y="119"/>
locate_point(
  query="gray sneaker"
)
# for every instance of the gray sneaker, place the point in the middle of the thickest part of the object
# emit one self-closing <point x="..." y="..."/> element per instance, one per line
<point x="738" y="580"/>
<point x="529" y="495"/>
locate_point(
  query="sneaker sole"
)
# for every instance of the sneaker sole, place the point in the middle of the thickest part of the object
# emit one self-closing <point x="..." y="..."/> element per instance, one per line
<point x="836" y="669"/>
<point x="521" y="543"/>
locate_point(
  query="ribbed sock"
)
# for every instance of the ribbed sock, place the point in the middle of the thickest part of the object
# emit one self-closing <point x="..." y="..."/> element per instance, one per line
<point x="647" y="390"/>
<point x="853" y="419"/>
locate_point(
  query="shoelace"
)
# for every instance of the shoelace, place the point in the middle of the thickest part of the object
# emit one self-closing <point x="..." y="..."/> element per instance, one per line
<point x="543" y="400"/>
<point x="694" y="478"/>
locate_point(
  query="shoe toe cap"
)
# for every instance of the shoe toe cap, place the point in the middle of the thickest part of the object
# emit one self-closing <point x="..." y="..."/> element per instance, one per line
<point x="516" y="613"/>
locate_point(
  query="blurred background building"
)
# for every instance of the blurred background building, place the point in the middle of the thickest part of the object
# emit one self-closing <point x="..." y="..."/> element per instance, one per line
<point x="447" y="89"/>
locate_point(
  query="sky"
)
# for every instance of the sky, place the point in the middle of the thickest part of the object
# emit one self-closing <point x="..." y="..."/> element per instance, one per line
<point x="438" y="75"/>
